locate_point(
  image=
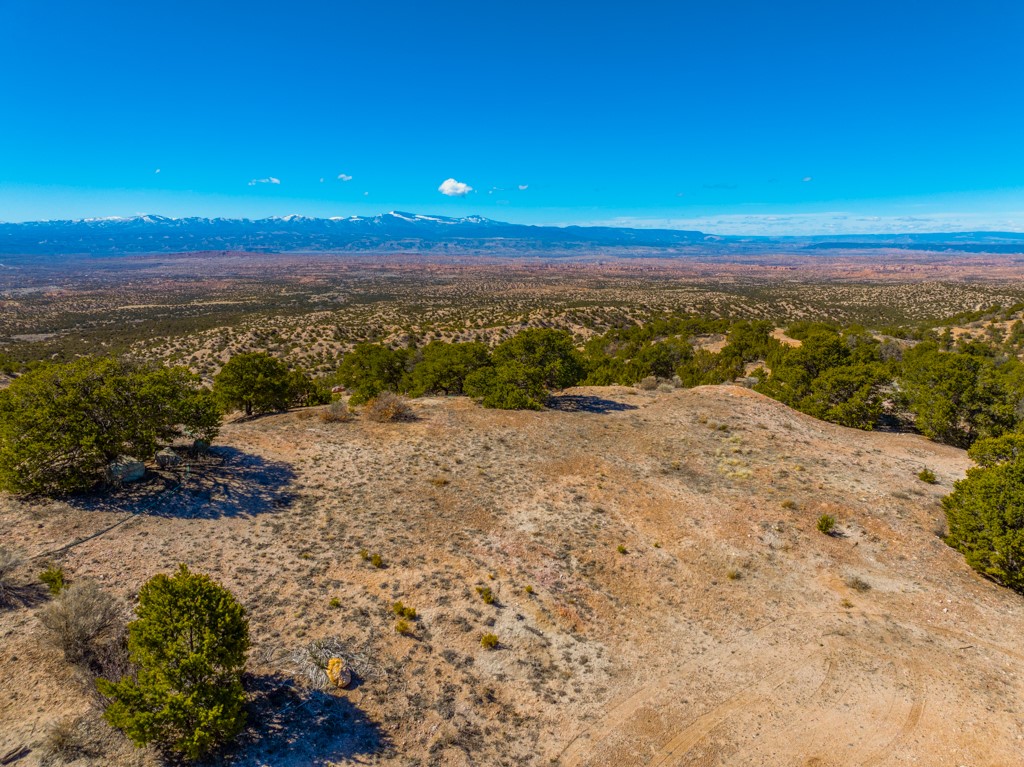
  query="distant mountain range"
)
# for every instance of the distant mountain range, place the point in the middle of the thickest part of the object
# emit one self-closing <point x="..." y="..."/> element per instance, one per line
<point x="409" y="232"/>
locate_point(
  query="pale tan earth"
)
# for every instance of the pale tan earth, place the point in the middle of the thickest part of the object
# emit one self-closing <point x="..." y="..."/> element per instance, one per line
<point x="728" y="632"/>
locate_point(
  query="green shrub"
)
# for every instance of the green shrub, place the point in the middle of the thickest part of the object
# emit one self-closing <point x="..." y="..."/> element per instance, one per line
<point x="927" y="475"/>
<point x="53" y="577"/>
<point x="485" y="594"/>
<point x="254" y="382"/>
<point x="370" y="369"/>
<point x="985" y="516"/>
<point x="621" y="549"/>
<point x="335" y="603"/>
<point x="489" y="641"/>
<point x="525" y="369"/>
<point x="377" y="561"/>
<point x="402" y="626"/>
<point x="826" y="524"/>
<point x="442" y="368"/>
<point x="189" y="644"/>
<point x="403" y="612"/>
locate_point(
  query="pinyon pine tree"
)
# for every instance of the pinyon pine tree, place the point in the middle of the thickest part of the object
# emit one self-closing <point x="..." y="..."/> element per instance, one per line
<point x="189" y="644"/>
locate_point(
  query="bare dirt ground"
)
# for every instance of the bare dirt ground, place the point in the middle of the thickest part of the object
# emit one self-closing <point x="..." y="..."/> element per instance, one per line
<point x="684" y="610"/>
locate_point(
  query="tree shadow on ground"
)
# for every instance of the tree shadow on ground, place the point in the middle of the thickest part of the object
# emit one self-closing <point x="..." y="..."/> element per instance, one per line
<point x="23" y="595"/>
<point x="224" y="482"/>
<point x="580" y="403"/>
<point x="292" y="726"/>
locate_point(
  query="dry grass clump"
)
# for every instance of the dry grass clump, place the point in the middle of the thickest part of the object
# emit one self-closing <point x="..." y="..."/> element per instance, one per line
<point x="336" y="412"/>
<point x="84" y="622"/>
<point x="650" y="383"/>
<point x="387" y="408"/>
<point x="70" y="739"/>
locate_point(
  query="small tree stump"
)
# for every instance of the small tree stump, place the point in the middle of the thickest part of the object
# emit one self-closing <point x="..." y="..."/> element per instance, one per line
<point x="338" y="674"/>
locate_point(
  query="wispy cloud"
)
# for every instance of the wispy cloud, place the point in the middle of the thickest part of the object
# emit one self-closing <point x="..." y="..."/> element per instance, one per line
<point x="267" y="180"/>
<point x="452" y="188"/>
<point x="157" y="170"/>
<point x="805" y="179"/>
<point x="344" y="177"/>
<point x="835" y="222"/>
<point x="523" y="187"/>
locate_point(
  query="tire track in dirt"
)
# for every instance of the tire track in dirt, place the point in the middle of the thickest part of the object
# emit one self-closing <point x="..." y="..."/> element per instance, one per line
<point x="581" y="747"/>
<point x="673" y="752"/>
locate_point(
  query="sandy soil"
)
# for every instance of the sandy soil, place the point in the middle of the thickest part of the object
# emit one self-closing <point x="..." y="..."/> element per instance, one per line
<point x="726" y="630"/>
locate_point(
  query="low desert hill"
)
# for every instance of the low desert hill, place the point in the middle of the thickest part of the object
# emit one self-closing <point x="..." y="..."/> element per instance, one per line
<point x="682" y="609"/>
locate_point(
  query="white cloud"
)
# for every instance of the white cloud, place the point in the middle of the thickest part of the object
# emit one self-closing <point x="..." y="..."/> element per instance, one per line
<point x="366" y="194"/>
<point x="523" y="187"/>
<point x="321" y="179"/>
<point x="806" y="179"/>
<point x="157" y="170"/>
<point x="344" y="177"/>
<point x="268" y="180"/>
<point x="452" y="188"/>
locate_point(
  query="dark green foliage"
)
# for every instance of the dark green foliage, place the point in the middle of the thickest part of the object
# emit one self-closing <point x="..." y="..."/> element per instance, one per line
<point x="955" y="398"/>
<point x="629" y="354"/>
<point x="304" y="391"/>
<point x="8" y="365"/>
<point x="795" y="368"/>
<point x="996" y="450"/>
<point x="706" y="368"/>
<point x="509" y="387"/>
<point x="61" y="424"/>
<point x="370" y="369"/>
<point x="851" y="395"/>
<point x="189" y="644"/>
<point x="526" y="367"/>
<point x="928" y="476"/>
<point x="985" y="515"/>
<point x="254" y="382"/>
<point x="442" y="368"/>
<point x="549" y="355"/>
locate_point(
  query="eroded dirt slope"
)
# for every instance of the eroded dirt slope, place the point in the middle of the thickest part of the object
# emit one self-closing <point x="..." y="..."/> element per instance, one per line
<point x="684" y="610"/>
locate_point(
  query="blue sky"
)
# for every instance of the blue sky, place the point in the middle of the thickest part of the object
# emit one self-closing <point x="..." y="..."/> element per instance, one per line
<point x="781" y="117"/>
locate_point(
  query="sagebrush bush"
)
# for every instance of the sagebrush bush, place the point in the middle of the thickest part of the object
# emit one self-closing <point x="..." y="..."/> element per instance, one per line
<point x="68" y="739"/>
<point x="337" y="412"/>
<point x="81" y="621"/>
<point x="826" y="524"/>
<point x="387" y="407"/>
<point x="650" y="383"/>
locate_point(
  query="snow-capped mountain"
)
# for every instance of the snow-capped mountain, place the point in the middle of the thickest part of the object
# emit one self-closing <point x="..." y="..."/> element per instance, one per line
<point x="402" y="232"/>
<point x="394" y="231"/>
